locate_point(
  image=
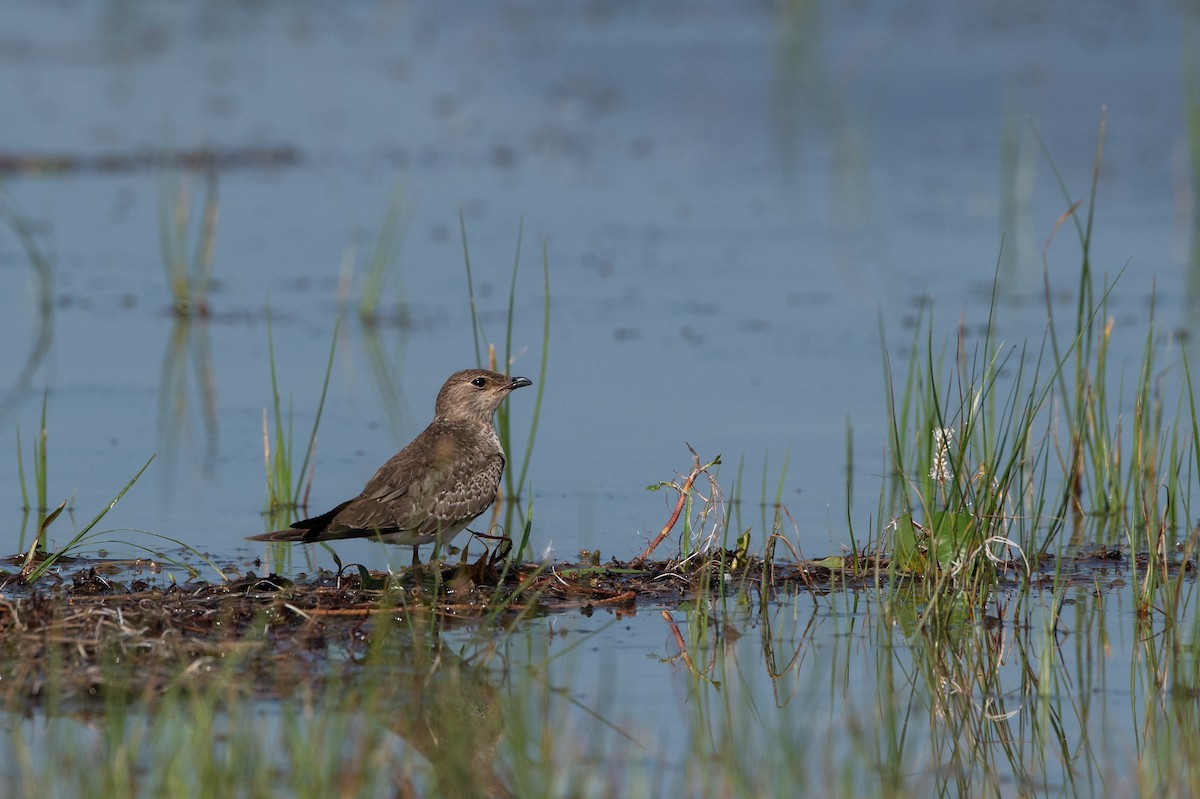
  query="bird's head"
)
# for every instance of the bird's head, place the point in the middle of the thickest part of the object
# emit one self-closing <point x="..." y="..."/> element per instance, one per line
<point x="475" y="394"/>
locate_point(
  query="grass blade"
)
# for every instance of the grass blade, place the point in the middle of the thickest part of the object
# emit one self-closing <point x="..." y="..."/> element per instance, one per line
<point x="32" y="575"/>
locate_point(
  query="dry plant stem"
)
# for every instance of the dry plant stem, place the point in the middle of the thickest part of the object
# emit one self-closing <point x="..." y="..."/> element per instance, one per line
<point x="627" y="596"/>
<point x="683" y="494"/>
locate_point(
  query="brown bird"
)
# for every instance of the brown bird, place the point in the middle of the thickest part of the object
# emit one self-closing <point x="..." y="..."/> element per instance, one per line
<point x="434" y="487"/>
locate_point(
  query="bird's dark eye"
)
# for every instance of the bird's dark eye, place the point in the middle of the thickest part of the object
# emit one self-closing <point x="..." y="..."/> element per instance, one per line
<point x="479" y="382"/>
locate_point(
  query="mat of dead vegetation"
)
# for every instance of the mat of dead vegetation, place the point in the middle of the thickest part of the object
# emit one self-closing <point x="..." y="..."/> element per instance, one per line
<point x="69" y="632"/>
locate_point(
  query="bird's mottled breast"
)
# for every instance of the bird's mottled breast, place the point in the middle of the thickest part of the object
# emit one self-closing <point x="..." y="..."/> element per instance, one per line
<point x="469" y="464"/>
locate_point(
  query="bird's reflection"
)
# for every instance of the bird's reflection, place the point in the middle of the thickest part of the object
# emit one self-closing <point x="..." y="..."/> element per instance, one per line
<point x="448" y="711"/>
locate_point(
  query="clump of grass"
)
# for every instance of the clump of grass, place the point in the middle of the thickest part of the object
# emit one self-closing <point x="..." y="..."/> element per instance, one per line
<point x="188" y="266"/>
<point x="1005" y="454"/>
<point x="36" y="566"/>
<point x="288" y="484"/>
<point x="40" y="477"/>
<point x="38" y="559"/>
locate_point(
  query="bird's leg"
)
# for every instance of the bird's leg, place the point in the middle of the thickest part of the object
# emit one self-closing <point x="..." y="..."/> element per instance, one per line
<point x="417" y="572"/>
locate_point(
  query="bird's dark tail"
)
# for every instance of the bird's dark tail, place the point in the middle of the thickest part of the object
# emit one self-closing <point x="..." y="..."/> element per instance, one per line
<point x="290" y="534"/>
<point x="309" y="530"/>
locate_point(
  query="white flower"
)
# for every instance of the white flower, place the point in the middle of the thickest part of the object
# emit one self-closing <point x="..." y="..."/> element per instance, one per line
<point x="940" y="471"/>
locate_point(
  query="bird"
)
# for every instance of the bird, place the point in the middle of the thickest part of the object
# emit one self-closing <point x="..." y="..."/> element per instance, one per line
<point x="434" y="487"/>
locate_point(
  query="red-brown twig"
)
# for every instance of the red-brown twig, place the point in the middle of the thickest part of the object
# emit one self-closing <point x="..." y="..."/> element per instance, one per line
<point x="697" y="469"/>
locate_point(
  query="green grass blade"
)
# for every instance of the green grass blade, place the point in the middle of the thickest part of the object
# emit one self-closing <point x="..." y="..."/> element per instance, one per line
<point x="40" y="462"/>
<point x="38" y="571"/>
<point x="512" y="297"/>
<point x="541" y="381"/>
<point x="278" y="483"/>
<point x="43" y="274"/>
<point x="312" y="438"/>
<point x="21" y="473"/>
<point x="384" y="255"/>
<point x="476" y="326"/>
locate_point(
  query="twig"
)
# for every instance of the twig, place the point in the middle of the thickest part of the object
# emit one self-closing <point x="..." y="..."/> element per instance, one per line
<point x="697" y="470"/>
<point x="627" y="596"/>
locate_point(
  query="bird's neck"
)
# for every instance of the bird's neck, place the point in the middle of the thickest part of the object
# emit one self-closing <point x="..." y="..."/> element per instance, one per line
<point x="464" y="420"/>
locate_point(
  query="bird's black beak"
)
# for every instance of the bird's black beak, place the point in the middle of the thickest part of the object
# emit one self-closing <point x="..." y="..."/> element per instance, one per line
<point x="519" y="382"/>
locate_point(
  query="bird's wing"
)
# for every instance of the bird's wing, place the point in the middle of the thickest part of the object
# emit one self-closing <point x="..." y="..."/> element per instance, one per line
<point x="444" y="478"/>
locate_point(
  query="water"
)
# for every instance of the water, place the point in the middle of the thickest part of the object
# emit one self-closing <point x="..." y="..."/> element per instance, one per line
<point x="801" y="696"/>
<point x="732" y="196"/>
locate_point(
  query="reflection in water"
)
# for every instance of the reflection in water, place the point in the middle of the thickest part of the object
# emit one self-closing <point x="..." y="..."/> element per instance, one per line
<point x="447" y="710"/>
<point x="901" y="692"/>
<point x="21" y="547"/>
<point x="189" y="270"/>
<point x="382" y="264"/>
<point x="799" y="96"/>
<point x="178" y="710"/>
<point x="1018" y="173"/>
<point x="386" y="369"/>
<point x="878" y="690"/>
<point x="44" y="324"/>
<point x="1191" y="104"/>
<point x="809" y="102"/>
<point x="978" y="723"/>
<point x="188" y="351"/>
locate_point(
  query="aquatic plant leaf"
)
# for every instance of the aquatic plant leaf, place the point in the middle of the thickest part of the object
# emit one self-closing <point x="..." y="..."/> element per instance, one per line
<point x="955" y="537"/>
<point x="50" y="517"/>
<point x="741" y="548"/>
<point x="39" y="540"/>
<point x="908" y="553"/>
<point x="370" y="583"/>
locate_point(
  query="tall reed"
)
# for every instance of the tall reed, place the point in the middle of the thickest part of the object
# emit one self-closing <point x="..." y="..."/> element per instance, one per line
<point x="514" y="485"/>
<point x="288" y="484"/>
